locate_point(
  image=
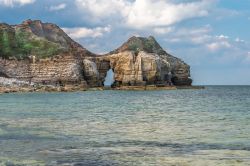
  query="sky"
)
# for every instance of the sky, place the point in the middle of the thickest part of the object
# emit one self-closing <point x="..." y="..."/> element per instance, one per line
<point x="212" y="36"/>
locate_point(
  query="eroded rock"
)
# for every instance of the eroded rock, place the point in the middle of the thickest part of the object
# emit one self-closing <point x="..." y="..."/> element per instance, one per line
<point x="42" y="53"/>
<point x="142" y="61"/>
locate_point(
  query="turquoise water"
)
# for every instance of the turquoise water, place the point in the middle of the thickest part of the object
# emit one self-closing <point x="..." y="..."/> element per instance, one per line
<point x="178" y="127"/>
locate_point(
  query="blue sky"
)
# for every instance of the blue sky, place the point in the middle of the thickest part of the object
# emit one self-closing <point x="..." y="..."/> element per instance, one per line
<point x="213" y="36"/>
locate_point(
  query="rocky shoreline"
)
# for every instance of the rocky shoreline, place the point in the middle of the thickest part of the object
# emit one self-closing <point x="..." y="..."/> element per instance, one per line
<point x="10" y="85"/>
<point x="4" y="90"/>
<point x="14" y="86"/>
<point x="42" y="88"/>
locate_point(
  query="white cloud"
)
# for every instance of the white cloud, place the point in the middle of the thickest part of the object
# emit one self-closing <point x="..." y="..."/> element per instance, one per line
<point x="82" y="32"/>
<point x="12" y="3"/>
<point x="201" y="39"/>
<point x="102" y="8"/>
<point x="194" y="31"/>
<point x="215" y="46"/>
<point x="223" y="13"/>
<point x="222" y="37"/>
<point x="201" y="36"/>
<point x="248" y="57"/>
<point x="248" y="53"/>
<point x="174" y="40"/>
<point x="145" y="13"/>
<point x="161" y="30"/>
<point x="219" y="42"/>
<point x="191" y="35"/>
<point x="238" y="40"/>
<point x="58" y="7"/>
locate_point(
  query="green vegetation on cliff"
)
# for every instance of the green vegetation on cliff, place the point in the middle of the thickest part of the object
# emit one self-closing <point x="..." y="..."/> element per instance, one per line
<point x="144" y="44"/>
<point x="20" y="44"/>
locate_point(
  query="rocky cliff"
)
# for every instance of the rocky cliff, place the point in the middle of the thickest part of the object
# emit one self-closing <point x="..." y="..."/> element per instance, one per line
<point x="142" y="61"/>
<point x="43" y="53"/>
<point x="40" y="52"/>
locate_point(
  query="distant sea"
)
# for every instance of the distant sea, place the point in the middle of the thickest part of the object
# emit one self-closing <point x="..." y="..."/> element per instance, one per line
<point x="125" y="128"/>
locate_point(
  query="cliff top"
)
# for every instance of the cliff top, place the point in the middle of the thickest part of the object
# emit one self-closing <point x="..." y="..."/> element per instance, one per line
<point x="32" y="37"/>
<point x="136" y="44"/>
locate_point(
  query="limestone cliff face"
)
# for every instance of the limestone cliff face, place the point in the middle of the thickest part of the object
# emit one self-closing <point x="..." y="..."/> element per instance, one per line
<point x="137" y="68"/>
<point x="142" y="61"/>
<point x="58" y="70"/>
<point x="42" y="53"/>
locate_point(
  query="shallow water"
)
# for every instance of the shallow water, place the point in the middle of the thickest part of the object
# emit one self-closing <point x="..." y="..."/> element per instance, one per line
<point x="178" y="127"/>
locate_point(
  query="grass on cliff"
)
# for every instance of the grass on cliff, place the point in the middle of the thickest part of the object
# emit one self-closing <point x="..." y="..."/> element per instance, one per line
<point x="145" y="44"/>
<point x="20" y="45"/>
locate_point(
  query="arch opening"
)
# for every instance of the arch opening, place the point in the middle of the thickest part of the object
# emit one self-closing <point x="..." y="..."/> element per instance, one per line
<point x="109" y="79"/>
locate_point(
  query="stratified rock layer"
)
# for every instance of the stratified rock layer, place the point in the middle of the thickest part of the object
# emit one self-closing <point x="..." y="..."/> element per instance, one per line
<point x="43" y="53"/>
<point x="142" y="61"/>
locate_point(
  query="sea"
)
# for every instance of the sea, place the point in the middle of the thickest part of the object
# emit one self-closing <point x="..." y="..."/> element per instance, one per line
<point x="208" y="127"/>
